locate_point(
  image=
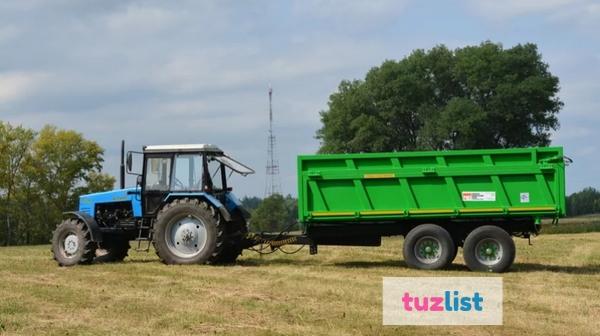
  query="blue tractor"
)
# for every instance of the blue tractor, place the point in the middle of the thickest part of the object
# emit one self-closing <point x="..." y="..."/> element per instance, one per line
<point x="181" y="204"/>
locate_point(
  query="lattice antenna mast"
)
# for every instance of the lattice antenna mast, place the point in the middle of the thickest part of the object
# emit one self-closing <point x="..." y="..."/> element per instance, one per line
<point x="272" y="184"/>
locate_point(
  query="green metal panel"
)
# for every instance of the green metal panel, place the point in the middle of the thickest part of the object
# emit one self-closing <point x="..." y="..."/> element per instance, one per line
<point x="444" y="184"/>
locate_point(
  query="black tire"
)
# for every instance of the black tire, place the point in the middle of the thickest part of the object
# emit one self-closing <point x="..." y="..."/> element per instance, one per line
<point x="169" y="250"/>
<point x="443" y="248"/>
<point x="112" y="248"/>
<point x="74" y="233"/>
<point x="500" y="244"/>
<point x="232" y="248"/>
<point x="228" y="256"/>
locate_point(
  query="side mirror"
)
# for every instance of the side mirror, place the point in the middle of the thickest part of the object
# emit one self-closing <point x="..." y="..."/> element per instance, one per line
<point x="129" y="162"/>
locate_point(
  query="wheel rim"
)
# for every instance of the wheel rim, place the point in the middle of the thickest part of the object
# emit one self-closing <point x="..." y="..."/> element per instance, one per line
<point x="428" y="250"/>
<point x="488" y="251"/>
<point x="70" y="245"/>
<point x="186" y="236"/>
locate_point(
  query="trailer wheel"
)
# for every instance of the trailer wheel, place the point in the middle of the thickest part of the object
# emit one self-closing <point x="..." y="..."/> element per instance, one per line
<point x="112" y="248"/>
<point x="489" y="249"/>
<point x="188" y="232"/>
<point x="428" y="246"/>
<point x="72" y="243"/>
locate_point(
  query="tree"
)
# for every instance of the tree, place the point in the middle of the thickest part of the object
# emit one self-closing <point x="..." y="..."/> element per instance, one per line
<point x="275" y="213"/>
<point x="61" y="161"/>
<point x="14" y="150"/>
<point x="476" y="97"/>
<point x="41" y="175"/>
<point x="586" y="201"/>
<point x="250" y="203"/>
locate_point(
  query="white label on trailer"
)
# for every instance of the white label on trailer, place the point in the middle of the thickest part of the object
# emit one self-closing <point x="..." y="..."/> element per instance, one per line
<point x="477" y="196"/>
<point x="524" y="197"/>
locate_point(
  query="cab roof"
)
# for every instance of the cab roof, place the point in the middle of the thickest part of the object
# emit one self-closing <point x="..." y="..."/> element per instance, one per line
<point x="182" y="148"/>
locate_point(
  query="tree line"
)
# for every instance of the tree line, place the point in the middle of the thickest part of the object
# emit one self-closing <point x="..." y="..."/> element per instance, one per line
<point x="584" y="202"/>
<point x="42" y="174"/>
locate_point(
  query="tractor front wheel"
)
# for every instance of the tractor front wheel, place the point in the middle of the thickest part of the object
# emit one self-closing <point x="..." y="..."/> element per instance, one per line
<point x="72" y="243"/>
<point x="188" y="231"/>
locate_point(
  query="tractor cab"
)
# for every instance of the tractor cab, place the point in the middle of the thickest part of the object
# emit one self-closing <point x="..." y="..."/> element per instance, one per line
<point x="171" y="171"/>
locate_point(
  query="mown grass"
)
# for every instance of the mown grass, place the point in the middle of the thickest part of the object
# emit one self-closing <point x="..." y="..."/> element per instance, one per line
<point x="553" y="289"/>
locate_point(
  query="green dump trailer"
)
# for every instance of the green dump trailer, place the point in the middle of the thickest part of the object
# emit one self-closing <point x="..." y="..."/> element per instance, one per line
<point x="438" y="200"/>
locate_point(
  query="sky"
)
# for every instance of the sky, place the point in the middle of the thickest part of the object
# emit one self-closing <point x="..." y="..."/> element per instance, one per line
<point x="167" y="72"/>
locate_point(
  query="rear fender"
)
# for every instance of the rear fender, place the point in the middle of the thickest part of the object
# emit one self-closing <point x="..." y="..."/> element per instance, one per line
<point x="89" y="222"/>
<point x="213" y="201"/>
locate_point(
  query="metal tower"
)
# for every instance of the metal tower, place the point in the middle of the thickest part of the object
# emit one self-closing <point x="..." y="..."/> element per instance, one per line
<point x="272" y="183"/>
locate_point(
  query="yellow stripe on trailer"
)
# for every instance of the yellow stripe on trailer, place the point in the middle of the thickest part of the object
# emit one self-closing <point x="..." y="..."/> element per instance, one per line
<point x="480" y="210"/>
<point x="532" y="209"/>
<point x="331" y="214"/>
<point x="379" y="176"/>
<point x="430" y="212"/>
<point x="381" y="212"/>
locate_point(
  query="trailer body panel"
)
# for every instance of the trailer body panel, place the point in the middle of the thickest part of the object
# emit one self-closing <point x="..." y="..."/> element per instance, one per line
<point x="436" y="185"/>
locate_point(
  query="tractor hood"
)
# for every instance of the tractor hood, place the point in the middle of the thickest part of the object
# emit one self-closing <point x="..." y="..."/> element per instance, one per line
<point x="87" y="203"/>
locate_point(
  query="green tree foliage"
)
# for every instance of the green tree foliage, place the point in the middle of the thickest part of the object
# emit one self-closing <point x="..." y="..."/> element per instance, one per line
<point x="250" y="203"/>
<point x="478" y="97"/>
<point x="14" y="150"/>
<point x="275" y="213"/>
<point x="42" y="174"/>
<point x="584" y="202"/>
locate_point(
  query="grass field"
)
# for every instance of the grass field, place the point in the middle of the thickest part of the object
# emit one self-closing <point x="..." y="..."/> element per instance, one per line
<point x="553" y="289"/>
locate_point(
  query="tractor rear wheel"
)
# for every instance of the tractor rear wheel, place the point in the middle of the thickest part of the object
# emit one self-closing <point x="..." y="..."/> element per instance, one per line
<point x="112" y="248"/>
<point x="188" y="231"/>
<point x="236" y="232"/>
<point x="428" y="246"/>
<point x="72" y="243"/>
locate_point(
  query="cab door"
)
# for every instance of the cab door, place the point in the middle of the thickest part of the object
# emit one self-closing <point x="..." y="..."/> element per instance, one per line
<point x="156" y="181"/>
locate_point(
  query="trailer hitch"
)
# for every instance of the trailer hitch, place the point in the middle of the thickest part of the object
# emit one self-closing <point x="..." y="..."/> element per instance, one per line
<point x="275" y="241"/>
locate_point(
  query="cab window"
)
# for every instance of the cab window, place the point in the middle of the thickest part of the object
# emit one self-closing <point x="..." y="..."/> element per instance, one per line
<point x="187" y="173"/>
<point x="158" y="170"/>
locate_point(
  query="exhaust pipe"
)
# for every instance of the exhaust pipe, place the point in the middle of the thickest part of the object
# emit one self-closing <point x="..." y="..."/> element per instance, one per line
<point x="122" y="180"/>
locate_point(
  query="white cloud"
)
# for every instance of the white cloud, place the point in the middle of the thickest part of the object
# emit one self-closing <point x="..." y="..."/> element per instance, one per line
<point x="8" y="33"/>
<point x="585" y="12"/>
<point x="582" y="13"/>
<point x="141" y="18"/>
<point x="351" y="13"/>
<point x="244" y="64"/>
<point x="510" y="8"/>
<point x="585" y="151"/>
<point x="570" y="132"/>
<point x="17" y="85"/>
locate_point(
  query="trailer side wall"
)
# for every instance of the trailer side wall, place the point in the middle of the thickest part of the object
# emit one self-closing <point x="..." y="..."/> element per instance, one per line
<point x="378" y="187"/>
